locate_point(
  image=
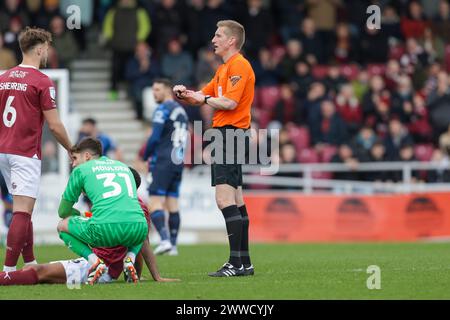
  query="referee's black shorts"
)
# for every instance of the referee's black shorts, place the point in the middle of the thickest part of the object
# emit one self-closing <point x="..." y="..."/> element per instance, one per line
<point x="235" y="147"/>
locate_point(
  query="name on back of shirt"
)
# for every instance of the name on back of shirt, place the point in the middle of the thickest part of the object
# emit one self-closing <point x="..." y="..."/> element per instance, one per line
<point x="13" y="86"/>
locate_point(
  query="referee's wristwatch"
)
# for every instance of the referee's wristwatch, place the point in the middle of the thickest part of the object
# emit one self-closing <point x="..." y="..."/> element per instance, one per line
<point x="206" y="99"/>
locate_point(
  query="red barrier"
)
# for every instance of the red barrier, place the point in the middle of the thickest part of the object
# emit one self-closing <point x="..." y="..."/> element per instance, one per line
<point x="327" y="218"/>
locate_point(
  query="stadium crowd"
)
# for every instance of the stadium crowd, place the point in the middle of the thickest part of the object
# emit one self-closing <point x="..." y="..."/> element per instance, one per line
<point x="337" y="90"/>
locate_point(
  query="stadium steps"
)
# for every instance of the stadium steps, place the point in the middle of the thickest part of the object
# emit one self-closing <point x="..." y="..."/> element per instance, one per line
<point x="90" y="96"/>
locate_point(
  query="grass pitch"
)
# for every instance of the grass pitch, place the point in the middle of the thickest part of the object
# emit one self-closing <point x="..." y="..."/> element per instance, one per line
<point x="282" y="271"/>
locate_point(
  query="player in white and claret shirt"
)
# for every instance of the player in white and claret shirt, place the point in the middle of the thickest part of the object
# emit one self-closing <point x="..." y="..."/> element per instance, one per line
<point x="27" y="98"/>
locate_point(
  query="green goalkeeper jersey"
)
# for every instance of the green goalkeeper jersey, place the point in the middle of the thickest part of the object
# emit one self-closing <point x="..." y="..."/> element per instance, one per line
<point x="110" y="186"/>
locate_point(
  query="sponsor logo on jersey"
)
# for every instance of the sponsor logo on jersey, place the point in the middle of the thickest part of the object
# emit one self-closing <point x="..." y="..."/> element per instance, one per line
<point x="14" y="185"/>
<point x="52" y="93"/>
<point x="18" y="74"/>
<point x="235" y="79"/>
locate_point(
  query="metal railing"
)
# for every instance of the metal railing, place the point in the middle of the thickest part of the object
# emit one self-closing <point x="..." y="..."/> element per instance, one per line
<point x="308" y="184"/>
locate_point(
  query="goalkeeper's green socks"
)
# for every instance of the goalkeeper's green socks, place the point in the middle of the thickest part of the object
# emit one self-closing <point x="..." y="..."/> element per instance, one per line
<point x="78" y="247"/>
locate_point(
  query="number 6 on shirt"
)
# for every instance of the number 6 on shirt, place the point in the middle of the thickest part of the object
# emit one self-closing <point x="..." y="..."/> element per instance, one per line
<point x="9" y="109"/>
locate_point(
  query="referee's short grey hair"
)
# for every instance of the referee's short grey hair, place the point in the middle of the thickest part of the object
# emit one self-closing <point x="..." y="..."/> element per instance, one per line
<point x="234" y="29"/>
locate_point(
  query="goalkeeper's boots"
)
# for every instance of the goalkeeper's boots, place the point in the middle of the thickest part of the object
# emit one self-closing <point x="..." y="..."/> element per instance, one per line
<point x="96" y="271"/>
<point x="129" y="271"/>
<point x="249" y="271"/>
<point x="228" y="270"/>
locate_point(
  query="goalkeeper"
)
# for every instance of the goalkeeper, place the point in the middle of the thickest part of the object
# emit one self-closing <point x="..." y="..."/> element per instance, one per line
<point x="117" y="216"/>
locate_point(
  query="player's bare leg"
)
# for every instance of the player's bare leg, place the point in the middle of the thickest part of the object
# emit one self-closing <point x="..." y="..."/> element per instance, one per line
<point x="226" y="201"/>
<point x="34" y="274"/>
<point x="158" y="217"/>
<point x="245" y="254"/>
<point x="174" y="223"/>
<point x="98" y="267"/>
<point x="18" y="232"/>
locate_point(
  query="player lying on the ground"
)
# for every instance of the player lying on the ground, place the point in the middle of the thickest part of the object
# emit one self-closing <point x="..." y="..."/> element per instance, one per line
<point x="117" y="219"/>
<point x="77" y="271"/>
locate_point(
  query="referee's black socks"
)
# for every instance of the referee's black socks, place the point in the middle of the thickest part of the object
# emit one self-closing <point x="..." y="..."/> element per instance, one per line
<point x="245" y="255"/>
<point x="233" y="221"/>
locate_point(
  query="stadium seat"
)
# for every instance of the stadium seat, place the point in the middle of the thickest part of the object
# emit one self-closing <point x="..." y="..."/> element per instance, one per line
<point x="264" y="117"/>
<point x="319" y="71"/>
<point x="269" y="96"/>
<point x="395" y="52"/>
<point x="278" y="52"/>
<point x="447" y="57"/>
<point x="308" y="155"/>
<point x="376" y="69"/>
<point x="327" y="153"/>
<point x="424" y="152"/>
<point x="349" y="71"/>
<point x="299" y="136"/>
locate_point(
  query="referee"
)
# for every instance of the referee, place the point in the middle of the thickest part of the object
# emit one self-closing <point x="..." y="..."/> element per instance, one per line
<point x="230" y="93"/>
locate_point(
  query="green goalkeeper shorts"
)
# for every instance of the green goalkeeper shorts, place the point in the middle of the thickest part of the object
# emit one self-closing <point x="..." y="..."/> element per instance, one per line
<point x="108" y="234"/>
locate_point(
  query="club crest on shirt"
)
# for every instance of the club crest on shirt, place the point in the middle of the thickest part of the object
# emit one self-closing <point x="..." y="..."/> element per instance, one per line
<point x="235" y="79"/>
<point x="52" y="93"/>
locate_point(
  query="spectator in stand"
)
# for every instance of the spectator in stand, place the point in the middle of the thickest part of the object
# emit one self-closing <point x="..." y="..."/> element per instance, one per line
<point x="392" y="74"/>
<point x="37" y="14"/>
<point x="168" y="24"/>
<point x="7" y="56"/>
<point x="291" y="14"/>
<point x="214" y="11"/>
<point x="397" y="137"/>
<point x="441" y="23"/>
<point x="414" y="23"/>
<point x="11" y="37"/>
<point x="444" y="141"/>
<point x="287" y="106"/>
<point x="433" y="46"/>
<point x="376" y="91"/>
<point x="89" y="129"/>
<point x="123" y="37"/>
<point x="334" y="80"/>
<point x="10" y="9"/>
<point x="361" y="84"/>
<point x="140" y="71"/>
<point x="373" y="46"/>
<point x="390" y="23"/>
<point x="406" y="154"/>
<point x="265" y="69"/>
<point x="311" y="108"/>
<point x="348" y="107"/>
<point x="194" y="15"/>
<point x="176" y="64"/>
<point x="401" y="101"/>
<point x="259" y="26"/>
<point x="287" y="155"/>
<point x="63" y="42"/>
<point x="346" y="156"/>
<point x="442" y="174"/>
<point x="87" y="18"/>
<point x="294" y="53"/>
<point x="432" y="78"/>
<point x="363" y="142"/>
<point x="377" y="154"/>
<point x="415" y="117"/>
<point x="206" y="65"/>
<point x="330" y="129"/>
<point x="324" y="15"/>
<point x="414" y="58"/>
<point x="439" y="104"/>
<point x="346" y="46"/>
<point x="313" y="48"/>
<point x="302" y="80"/>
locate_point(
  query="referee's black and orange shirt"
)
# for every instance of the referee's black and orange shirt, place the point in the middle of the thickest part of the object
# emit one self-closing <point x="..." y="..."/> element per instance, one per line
<point x="234" y="80"/>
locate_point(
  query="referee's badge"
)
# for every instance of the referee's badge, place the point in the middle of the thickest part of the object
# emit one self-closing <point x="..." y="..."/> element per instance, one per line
<point x="235" y="79"/>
